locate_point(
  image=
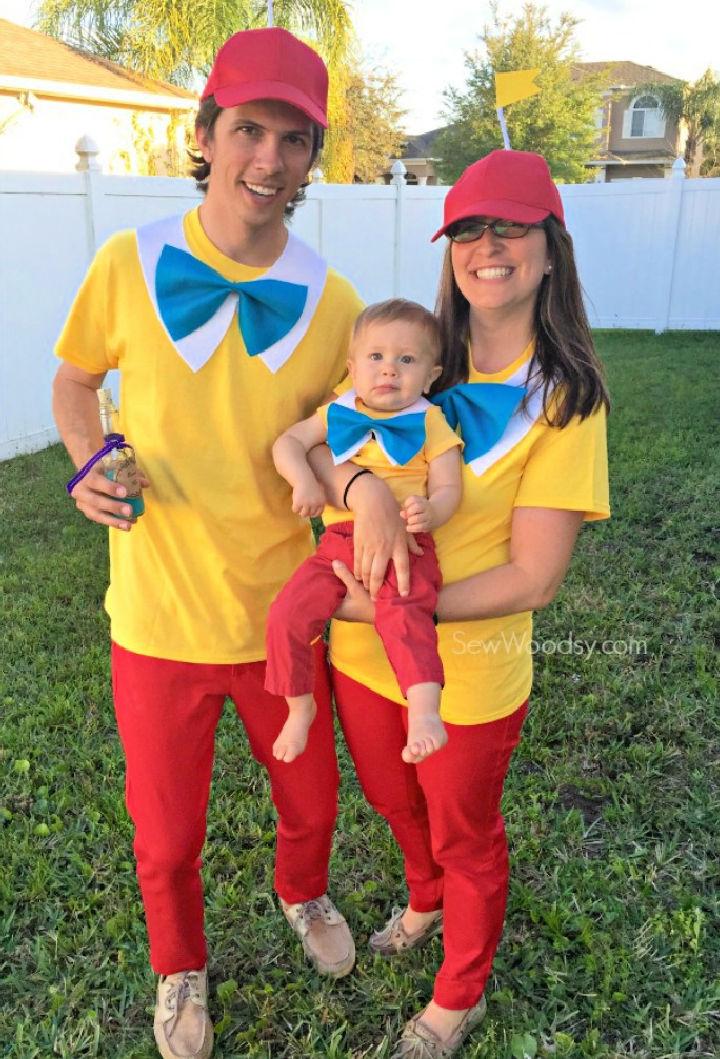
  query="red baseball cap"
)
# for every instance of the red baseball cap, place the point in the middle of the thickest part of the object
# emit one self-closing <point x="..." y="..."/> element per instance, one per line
<point x="269" y="64"/>
<point x="511" y="185"/>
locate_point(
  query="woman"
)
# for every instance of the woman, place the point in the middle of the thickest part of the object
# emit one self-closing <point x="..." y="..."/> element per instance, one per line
<point x="535" y="467"/>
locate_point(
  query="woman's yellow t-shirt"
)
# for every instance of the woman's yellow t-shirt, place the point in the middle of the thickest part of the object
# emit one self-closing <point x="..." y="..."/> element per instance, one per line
<point x="488" y="663"/>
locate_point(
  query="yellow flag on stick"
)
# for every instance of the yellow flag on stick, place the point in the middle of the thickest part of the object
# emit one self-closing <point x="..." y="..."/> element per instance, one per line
<point x="514" y="86"/>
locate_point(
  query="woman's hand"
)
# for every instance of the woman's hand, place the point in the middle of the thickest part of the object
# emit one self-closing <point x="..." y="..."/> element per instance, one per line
<point x="380" y="535"/>
<point x="357" y="605"/>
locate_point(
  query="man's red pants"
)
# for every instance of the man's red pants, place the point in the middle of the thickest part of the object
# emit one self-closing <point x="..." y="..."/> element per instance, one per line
<point x="303" y="607"/>
<point x="167" y="713"/>
<point x="445" y="815"/>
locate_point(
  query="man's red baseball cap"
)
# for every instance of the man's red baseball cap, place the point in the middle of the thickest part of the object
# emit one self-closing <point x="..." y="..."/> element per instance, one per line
<point x="269" y="64"/>
<point x="510" y="185"/>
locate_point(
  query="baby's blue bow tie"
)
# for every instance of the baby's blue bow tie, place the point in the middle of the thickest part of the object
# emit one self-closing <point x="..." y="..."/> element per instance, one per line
<point x="402" y="436"/>
<point x="483" y="410"/>
<point x="189" y="293"/>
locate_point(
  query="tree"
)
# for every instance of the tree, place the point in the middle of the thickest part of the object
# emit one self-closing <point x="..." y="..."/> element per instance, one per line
<point x="374" y="121"/>
<point x="559" y="122"/>
<point x="710" y="165"/>
<point x="697" y="107"/>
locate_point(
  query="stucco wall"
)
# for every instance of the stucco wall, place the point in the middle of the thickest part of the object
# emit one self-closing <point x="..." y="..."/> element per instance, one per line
<point x="634" y="172"/>
<point x="628" y="145"/>
<point x="42" y="139"/>
<point x="421" y="170"/>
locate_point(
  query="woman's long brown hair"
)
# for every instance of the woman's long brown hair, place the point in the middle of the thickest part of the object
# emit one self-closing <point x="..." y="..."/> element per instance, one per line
<point x="564" y="363"/>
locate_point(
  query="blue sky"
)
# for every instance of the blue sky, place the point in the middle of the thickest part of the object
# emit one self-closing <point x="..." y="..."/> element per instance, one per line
<point x="423" y="41"/>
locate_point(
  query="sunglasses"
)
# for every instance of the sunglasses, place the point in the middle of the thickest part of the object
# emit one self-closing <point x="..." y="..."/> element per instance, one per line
<point x="471" y="230"/>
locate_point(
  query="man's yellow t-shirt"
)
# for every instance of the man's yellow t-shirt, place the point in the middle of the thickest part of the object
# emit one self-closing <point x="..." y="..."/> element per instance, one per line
<point x="403" y="480"/>
<point x="194" y="578"/>
<point x="488" y="663"/>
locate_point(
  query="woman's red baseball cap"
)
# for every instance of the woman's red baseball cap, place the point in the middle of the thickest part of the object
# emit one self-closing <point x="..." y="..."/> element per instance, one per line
<point x="511" y="185"/>
<point x="269" y="64"/>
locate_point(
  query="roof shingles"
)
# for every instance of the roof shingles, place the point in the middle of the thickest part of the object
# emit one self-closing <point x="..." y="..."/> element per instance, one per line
<point x="25" y="53"/>
<point x="622" y="73"/>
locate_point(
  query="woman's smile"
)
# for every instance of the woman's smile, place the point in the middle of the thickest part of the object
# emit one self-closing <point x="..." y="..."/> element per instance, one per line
<point x="493" y="272"/>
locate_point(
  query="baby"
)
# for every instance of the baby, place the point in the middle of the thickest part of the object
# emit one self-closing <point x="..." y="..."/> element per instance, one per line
<point x="383" y="424"/>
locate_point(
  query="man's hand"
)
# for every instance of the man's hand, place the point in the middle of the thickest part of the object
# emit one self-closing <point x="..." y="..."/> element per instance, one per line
<point x="101" y="500"/>
<point x="75" y="406"/>
<point x="418" y="514"/>
<point x="308" y="498"/>
<point x="380" y="535"/>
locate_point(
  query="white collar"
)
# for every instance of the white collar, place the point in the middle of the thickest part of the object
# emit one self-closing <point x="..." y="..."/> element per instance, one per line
<point x="298" y="263"/>
<point x="520" y="423"/>
<point x="348" y="400"/>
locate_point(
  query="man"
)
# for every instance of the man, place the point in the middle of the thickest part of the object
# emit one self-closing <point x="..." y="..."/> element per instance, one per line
<point x="226" y="329"/>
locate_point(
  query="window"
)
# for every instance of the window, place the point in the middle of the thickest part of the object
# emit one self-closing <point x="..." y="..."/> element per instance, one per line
<point x="644" y="118"/>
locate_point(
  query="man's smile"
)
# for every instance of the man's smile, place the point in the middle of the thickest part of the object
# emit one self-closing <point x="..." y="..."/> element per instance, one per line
<point x="262" y="190"/>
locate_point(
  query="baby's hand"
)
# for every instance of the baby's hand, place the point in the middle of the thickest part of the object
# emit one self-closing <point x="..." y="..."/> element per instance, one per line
<point x="417" y="512"/>
<point x="308" y="499"/>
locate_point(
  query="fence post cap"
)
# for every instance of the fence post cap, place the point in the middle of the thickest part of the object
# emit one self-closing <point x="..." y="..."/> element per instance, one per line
<point x="317" y="176"/>
<point x="678" y="168"/>
<point x="398" y="171"/>
<point x="87" y="151"/>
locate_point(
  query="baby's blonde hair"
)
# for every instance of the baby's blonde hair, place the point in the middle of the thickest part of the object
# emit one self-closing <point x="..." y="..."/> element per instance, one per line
<point x="402" y="309"/>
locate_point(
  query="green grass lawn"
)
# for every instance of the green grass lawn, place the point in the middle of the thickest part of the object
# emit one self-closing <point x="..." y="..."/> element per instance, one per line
<point x="611" y="946"/>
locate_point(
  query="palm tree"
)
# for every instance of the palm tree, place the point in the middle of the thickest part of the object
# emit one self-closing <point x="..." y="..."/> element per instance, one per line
<point x="697" y="106"/>
<point x="175" y="40"/>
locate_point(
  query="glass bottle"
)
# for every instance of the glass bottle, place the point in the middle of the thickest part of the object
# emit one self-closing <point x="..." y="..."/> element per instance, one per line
<point x="119" y="465"/>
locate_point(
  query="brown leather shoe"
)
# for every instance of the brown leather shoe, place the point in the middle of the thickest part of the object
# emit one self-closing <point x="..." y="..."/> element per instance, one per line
<point x="394" y="939"/>
<point x="419" y="1042"/>
<point x="325" y="935"/>
<point x="182" y="1027"/>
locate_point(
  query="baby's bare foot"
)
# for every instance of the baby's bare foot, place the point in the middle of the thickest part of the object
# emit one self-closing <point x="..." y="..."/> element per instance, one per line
<point x="426" y="734"/>
<point x="294" y="733"/>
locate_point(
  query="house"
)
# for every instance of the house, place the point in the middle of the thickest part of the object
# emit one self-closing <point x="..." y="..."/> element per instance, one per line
<point x="635" y="139"/>
<point x="418" y="159"/>
<point x="52" y="94"/>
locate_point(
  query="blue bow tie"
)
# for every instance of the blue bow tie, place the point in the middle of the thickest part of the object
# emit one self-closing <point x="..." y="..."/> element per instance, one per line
<point x="189" y="293"/>
<point x="483" y="410"/>
<point x="400" y="436"/>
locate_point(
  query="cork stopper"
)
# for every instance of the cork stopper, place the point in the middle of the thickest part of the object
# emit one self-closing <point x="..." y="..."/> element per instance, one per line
<point x="107" y="410"/>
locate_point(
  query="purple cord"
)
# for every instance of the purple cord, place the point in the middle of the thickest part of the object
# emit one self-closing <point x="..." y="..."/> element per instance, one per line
<point x="112" y="441"/>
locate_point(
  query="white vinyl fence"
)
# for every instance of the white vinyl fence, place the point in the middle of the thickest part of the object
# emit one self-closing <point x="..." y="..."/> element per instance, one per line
<point x="648" y="252"/>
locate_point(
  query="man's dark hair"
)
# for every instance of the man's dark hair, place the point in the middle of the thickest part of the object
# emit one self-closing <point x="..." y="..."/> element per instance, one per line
<point x="207" y="115"/>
